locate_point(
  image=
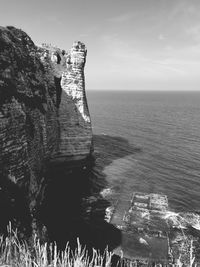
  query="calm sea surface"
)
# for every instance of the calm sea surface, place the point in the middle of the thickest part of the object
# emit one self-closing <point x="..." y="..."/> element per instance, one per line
<point x="162" y="130"/>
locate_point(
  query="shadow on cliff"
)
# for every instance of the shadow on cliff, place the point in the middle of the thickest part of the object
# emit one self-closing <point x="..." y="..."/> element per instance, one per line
<point x="73" y="206"/>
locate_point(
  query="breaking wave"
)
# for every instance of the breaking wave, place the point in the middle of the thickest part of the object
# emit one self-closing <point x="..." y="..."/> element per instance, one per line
<point x="182" y="220"/>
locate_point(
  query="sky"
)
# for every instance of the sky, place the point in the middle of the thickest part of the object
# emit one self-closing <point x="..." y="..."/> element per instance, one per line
<point x="132" y="44"/>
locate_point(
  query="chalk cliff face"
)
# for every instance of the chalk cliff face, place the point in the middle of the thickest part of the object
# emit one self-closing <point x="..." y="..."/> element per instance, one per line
<point x="36" y="128"/>
<point x="73" y="112"/>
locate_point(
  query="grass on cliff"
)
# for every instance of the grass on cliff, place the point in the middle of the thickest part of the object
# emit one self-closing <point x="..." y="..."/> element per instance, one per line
<point x="16" y="253"/>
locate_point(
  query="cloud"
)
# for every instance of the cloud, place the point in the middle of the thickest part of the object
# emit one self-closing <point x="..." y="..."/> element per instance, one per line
<point x="184" y="8"/>
<point x="121" y="18"/>
<point x="161" y="37"/>
<point x="127" y="61"/>
<point x="121" y="60"/>
<point x="160" y="46"/>
<point x="54" y="19"/>
<point x="194" y="32"/>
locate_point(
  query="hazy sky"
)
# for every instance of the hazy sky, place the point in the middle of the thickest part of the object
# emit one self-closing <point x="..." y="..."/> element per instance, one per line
<point x="132" y="44"/>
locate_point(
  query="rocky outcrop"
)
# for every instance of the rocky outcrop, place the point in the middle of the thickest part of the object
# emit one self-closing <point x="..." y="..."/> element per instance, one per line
<point x="73" y="112"/>
<point x="37" y="128"/>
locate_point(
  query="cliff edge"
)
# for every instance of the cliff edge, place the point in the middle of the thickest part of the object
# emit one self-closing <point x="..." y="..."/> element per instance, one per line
<point x="44" y="119"/>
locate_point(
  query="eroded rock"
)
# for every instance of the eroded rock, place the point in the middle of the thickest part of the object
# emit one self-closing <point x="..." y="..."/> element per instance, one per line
<point x="36" y="128"/>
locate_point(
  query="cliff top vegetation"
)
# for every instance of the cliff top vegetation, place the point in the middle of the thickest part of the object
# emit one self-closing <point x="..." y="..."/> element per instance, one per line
<point x="16" y="253"/>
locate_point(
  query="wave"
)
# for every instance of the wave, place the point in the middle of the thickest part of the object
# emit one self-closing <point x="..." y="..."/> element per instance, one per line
<point x="183" y="220"/>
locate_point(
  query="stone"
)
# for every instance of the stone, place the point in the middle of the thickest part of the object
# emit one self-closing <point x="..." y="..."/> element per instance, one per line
<point x="36" y="127"/>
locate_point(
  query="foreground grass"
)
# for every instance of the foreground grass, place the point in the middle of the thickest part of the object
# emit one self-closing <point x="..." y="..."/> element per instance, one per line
<point x="16" y="253"/>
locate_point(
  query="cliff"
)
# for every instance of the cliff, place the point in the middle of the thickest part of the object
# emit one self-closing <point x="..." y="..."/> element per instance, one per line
<point x="44" y="120"/>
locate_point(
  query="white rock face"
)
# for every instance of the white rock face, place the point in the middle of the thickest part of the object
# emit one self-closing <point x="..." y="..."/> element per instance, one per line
<point x="74" y="120"/>
<point x="73" y="81"/>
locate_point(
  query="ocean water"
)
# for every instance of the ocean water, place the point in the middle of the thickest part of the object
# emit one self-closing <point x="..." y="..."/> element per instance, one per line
<point x="143" y="142"/>
<point x="150" y="142"/>
<point x="159" y="150"/>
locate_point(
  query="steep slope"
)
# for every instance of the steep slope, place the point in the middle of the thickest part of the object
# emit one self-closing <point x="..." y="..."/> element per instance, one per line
<point x="44" y="119"/>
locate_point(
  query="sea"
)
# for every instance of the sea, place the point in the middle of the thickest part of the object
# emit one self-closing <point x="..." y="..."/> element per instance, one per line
<point x="149" y="142"/>
<point x="158" y="143"/>
<point x="146" y="142"/>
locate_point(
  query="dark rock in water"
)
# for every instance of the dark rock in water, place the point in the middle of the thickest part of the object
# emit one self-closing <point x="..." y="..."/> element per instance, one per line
<point x="44" y="121"/>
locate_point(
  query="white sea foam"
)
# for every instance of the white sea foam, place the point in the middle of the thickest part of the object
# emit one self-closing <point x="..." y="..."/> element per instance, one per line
<point x="182" y="220"/>
<point x="192" y="219"/>
<point x="106" y="192"/>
